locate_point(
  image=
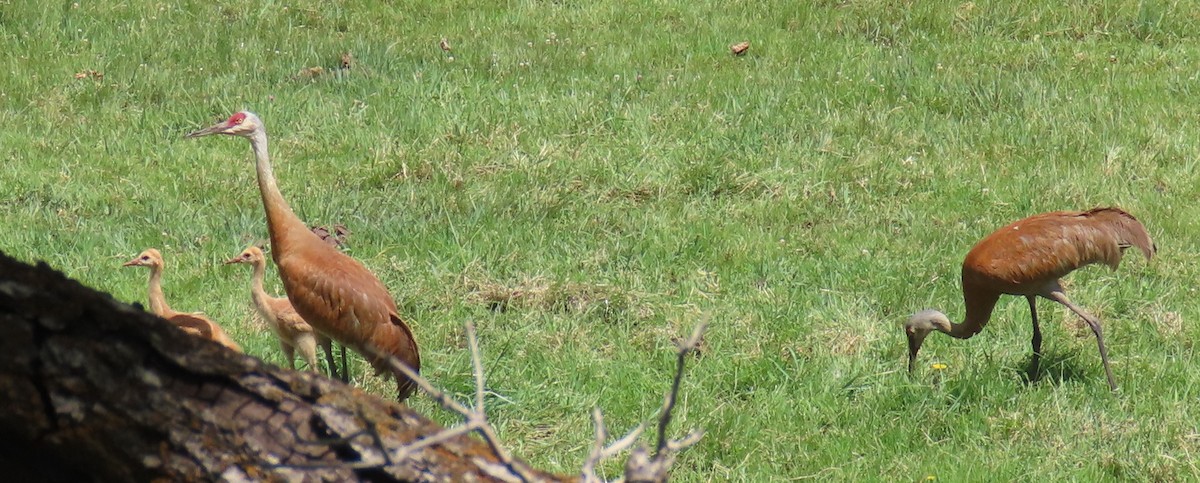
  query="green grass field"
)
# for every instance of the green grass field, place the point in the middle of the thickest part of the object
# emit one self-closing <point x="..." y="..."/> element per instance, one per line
<point x="587" y="180"/>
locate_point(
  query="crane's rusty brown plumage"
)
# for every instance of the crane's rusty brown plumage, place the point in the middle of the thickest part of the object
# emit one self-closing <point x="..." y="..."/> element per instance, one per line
<point x="329" y="289"/>
<point x="194" y="324"/>
<point x="1028" y="257"/>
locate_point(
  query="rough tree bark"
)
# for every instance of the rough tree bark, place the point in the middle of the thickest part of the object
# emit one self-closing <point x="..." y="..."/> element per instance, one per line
<point x="94" y="389"/>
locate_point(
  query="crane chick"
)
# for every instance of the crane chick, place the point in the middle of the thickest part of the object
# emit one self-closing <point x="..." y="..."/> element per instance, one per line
<point x="1028" y="257"/>
<point x="194" y="324"/>
<point x="291" y="330"/>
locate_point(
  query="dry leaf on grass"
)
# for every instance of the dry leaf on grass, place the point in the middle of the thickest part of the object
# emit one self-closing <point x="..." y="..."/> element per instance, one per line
<point x="89" y="74"/>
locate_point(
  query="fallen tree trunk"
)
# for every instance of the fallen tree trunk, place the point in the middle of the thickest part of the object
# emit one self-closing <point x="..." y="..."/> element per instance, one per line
<point x="94" y="389"/>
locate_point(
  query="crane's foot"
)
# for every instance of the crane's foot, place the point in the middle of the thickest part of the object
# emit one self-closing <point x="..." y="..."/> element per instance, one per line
<point x="1035" y="368"/>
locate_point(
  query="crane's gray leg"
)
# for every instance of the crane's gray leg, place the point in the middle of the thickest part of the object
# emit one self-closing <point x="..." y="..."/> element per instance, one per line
<point x="1057" y="295"/>
<point x="327" y="347"/>
<point x="1037" y="338"/>
<point x="345" y="366"/>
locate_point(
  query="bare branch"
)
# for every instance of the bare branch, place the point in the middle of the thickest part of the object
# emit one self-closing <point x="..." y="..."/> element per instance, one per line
<point x="600" y="452"/>
<point x="474" y="419"/>
<point x="438" y="395"/>
<point x="473" y="342"/>
<point x="684" y="349"/>
<point x="641" y="466"/>
<point x="692" y="437"/>
<point x="440" y="437"/>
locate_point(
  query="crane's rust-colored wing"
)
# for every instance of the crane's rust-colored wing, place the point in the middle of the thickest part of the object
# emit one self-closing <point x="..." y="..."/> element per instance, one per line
<point x="1021" y="257"/>
<point x="326" y="294"/>
<point x="341" y="298"/>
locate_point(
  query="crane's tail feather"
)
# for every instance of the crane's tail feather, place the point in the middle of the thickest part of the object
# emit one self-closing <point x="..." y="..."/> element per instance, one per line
<point x="395" y="340"/>
<point x="1125" y="230"/>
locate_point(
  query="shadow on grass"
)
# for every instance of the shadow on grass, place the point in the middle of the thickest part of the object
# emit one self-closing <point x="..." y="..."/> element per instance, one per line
<point x="1055" y="368"/>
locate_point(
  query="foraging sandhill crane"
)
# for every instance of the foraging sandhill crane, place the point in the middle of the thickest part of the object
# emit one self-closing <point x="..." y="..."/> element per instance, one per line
<point x="291" y="330"/>
<point x="336" y="294"/>
<point x="1028" y="257"/>
<point x="195" y="324"/>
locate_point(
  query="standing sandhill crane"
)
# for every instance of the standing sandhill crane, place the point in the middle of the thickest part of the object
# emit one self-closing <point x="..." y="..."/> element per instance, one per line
<point x="330" y="290"/>
<point x="195" y="324"/>
<point x="1028" y="257"/>
<point x="291" y="330"/>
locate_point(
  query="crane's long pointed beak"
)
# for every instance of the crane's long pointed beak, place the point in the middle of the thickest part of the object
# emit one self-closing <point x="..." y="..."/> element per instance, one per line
<point x="130" y="263"/>
<point x="215" y="129"/>
<point x="232" y="261"/>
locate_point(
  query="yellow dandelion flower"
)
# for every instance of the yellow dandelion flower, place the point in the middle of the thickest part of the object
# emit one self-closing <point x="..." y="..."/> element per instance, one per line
<point x="938" y="366"/>
<point x="931" y="477"/>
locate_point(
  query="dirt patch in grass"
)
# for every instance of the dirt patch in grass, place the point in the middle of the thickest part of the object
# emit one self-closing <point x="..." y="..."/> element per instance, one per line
<point x="541" y="293"/>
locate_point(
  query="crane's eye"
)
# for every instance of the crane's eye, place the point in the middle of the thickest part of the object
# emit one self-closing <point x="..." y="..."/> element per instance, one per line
<point x="145" y="258"/>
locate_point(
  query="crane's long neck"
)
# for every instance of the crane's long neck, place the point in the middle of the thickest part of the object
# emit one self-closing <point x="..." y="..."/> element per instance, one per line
<point x="979" y="311"/>
<point x="158" y="302"/>
<point x="961" y="331"/>
<point x="281" y="221"/>
<point x="256" y="285"/>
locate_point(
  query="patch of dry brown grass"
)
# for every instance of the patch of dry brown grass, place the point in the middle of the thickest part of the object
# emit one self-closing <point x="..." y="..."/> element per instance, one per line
<point x="541" y="293"/>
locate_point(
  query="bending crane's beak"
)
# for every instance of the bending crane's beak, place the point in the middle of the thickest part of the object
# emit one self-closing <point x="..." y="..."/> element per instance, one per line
<point x="233" y="260"/>
<point x="130" y="263"/>
<point x="215" y="129"/>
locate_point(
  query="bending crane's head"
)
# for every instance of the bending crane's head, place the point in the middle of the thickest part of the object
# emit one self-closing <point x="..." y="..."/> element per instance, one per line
<point x="919" y="326"/>
<point x="241" y="123"/>
<point x="148" y="258"/>
<point x="251" y="254"/>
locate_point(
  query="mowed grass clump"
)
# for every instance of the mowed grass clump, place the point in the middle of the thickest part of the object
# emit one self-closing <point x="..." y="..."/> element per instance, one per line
<point x="587" y="180"/>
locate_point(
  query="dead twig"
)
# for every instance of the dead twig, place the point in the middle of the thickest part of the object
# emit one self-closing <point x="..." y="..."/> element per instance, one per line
<point x="685" y="347"/>
<point x="600" y="452"/>
<point x="641" y="466"/>
<point x="474" y="419"/>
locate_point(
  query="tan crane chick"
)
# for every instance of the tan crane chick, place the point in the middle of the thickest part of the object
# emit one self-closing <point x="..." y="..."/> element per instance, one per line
<point x="195" y="324"/>
<point x="335" y="293"/>
<point x="291" y="330"/>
